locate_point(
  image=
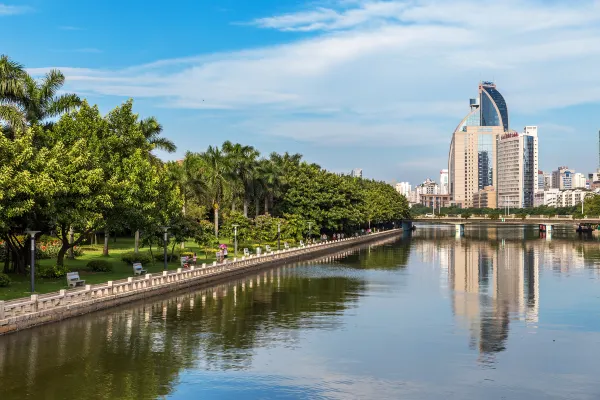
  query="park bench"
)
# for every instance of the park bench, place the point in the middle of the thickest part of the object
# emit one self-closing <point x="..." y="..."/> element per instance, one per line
<point x="73" y="279"/>
<point x="246" y="252"/>
<point x="268" y="248"/>
<point x="302" y="243"/>
<point x="286" y="245"/>
<point x="138" y="270"/>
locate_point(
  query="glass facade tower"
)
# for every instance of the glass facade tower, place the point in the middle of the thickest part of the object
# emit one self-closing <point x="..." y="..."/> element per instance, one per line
<point x="494" y="111"/>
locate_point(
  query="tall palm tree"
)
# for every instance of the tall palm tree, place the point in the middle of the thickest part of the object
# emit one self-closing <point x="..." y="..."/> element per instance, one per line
<point x="242" y="160"/>
<point x="26" y="102"/>
<point x="269" y="176"/>
<point x="216" y="171"/>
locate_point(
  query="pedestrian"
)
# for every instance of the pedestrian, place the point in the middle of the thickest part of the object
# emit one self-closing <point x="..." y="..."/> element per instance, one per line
<point x="225" y="252"/>
<point x="194" y="258"/>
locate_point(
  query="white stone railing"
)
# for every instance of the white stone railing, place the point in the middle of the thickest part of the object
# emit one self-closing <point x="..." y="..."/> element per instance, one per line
<point x="135" y="285"/>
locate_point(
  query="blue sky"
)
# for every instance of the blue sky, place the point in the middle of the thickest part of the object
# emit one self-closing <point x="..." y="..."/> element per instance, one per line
<point x="371" y="84"/>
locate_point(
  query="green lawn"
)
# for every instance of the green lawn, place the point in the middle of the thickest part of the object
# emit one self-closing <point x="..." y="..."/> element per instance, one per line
<point x="20" y="286"/>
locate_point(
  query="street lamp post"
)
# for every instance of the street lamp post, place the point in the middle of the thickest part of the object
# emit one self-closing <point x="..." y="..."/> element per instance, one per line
<point x="235" y="226"/>
<point x="279" y="236"/>
<point x="32" y="271"/>
<point x="165" y="238"/>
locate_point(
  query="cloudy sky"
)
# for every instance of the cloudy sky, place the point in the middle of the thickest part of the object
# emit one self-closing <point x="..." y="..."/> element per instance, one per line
<point x="374" y="84"/>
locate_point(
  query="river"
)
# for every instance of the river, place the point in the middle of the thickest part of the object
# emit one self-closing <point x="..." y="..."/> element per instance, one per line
<point x="500" y="313"/>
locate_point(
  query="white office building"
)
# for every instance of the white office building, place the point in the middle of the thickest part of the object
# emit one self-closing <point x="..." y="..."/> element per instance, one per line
<point x="444" y="181"/>
<point x="517" y="168"/>
<point x="356" y="173"/>
<point x="403" y="188"/>
<point x="572" y="197"/>
<point x="579" y="181"/>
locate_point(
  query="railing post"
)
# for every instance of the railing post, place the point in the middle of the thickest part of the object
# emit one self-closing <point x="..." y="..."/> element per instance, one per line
<point x="34" y="300"/>
<point x="1" y="309"/>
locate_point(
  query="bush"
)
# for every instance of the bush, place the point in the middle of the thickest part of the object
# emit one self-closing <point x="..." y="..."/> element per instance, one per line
<point x="51" y="271"/>
<point x="186" y="254"/>
<point x="100" y="266"/>
<point x="494" y="217"/>
<point x="4" y="280"/>
<point x="465" y="215"/>
<point x="131" y="257"/>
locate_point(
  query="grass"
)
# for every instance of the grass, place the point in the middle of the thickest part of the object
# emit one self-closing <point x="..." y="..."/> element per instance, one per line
<point x="20" y="286"/>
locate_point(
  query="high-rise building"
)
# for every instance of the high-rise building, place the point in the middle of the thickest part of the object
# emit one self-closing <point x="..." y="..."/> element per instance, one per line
<point x="540" y="180"/>
<point x="579" y="181"/>
<point x="562" y="178"/>
<point x="403" y="188"/>
<point x="356" y="173"/>
<point x="444" y="181"/>
<point x="472" y="155"/>
<point x="517" y="168"/>
<point x="547" y="180"/>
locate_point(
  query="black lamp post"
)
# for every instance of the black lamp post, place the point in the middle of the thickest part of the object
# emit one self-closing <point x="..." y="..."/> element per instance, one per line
<point x="165" y="238"/>
<point x="32" y="271"/>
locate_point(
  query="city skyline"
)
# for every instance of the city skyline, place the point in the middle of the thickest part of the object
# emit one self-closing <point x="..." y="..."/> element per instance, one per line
<point x="329" y="79"/>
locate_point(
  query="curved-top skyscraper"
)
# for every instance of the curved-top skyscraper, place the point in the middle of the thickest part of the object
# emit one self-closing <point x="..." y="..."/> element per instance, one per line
<point x="492" y="105"/>
<point x="472" y="156"/>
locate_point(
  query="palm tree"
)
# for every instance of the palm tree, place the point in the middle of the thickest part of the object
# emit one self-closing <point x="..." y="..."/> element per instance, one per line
<point x="242" y="160"/>
<point x="216" y="171"/>
<point x="152" y="130"/>
<point x="26" y="102"/>
<point x="269" y="176"/>
<point x="12" y="76"/>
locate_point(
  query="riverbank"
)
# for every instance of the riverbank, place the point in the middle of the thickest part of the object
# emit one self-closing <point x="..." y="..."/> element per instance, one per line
<point x="24" y="313"/>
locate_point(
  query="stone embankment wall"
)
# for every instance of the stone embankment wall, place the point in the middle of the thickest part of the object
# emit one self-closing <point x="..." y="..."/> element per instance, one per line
<point x="25" y="313"/>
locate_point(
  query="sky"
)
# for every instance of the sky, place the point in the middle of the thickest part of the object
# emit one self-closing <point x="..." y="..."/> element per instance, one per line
<point x="372" y="84"/>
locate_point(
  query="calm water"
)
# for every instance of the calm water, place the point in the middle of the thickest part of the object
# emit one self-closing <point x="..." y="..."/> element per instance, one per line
<point x="498" y="314"/>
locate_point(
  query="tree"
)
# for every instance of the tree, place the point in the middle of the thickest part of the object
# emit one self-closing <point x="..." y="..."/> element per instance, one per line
<point x="243" y="162"/>
<point x="205" y="236"/>
<point x="151" y="130"/>
<point x="216" y="169"/>
<point x="26" y="102"/>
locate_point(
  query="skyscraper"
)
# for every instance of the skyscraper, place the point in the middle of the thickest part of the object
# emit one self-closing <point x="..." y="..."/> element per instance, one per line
<point x="472" y="155"/>
<point x="517" y="168"/>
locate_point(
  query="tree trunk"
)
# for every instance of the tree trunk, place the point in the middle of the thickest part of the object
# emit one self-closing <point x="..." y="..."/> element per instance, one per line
<point x="60" y="258"/>
<point x="6" y="258"/>
<point x="105" y="250"/>
<point x="172" y="252"/>
<point x="136" y="245"/>
<point x="71" y="240"/>
<point x="245" y="207"/>
<point x="266" y="204"/>
<point x="257" y="207"/>
<point x="216" y="221"/>
<point x="95" y="238"/>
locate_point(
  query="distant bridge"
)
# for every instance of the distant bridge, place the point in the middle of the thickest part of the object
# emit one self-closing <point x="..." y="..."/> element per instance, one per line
<point x="511" y="219"/>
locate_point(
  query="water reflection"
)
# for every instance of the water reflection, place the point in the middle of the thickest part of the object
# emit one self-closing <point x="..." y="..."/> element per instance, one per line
<point x="425" y="316"/>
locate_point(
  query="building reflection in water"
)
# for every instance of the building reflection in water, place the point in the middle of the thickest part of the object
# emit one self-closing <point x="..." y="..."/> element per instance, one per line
<point x="493" y="278"/>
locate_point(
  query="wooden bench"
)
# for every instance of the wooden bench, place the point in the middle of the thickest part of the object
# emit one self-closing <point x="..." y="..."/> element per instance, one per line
<point x="73" y="279"/>
<point x="138" y="270"/>
<point x="246" y="252"/>
<point x="268" y="248"/>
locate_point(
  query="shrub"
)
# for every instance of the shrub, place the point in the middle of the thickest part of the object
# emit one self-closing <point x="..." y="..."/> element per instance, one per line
<point x="494" y="217"/>
<point x="100" y="266"/>
<point x="131" y="257"/>
<point x="4" y="280"/>
<point x="465" y="215"/>
<point x="51" y="271"/>
<point x="186" y="254"/>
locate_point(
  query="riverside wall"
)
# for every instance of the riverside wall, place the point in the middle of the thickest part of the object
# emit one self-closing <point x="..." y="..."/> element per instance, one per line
<point x="36" y="310"/>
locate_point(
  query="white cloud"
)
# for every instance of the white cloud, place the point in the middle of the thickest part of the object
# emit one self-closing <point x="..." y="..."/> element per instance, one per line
<point x="6" y="9"/>
<point x="393" y="72"/>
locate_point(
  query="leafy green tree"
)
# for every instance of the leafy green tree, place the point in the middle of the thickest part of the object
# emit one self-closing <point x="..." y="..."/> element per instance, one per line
<point x="205" y="236"/>
<point x="243" y="161"/>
